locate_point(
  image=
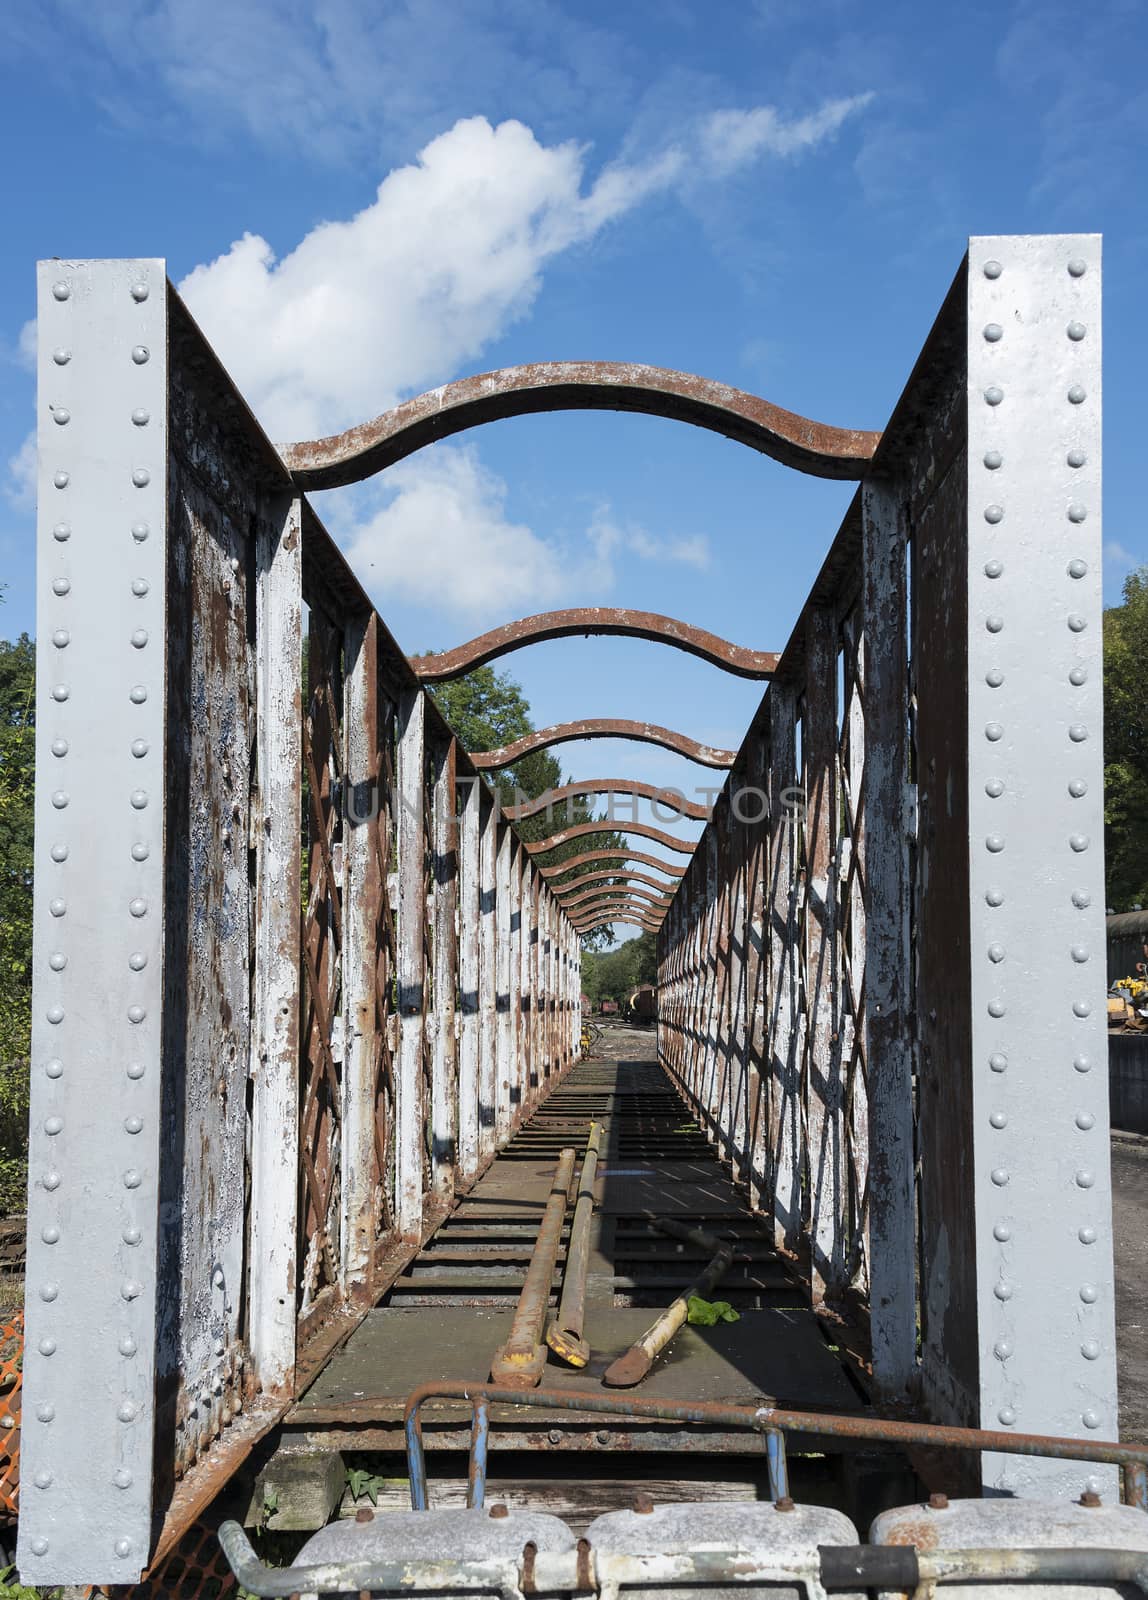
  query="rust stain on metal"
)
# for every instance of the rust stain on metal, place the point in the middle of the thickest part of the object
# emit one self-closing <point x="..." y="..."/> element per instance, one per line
<point x="615" y="876"/>
<point x="601" y="621"/>
<point x="671" y="798"/>
<point x="707" y="755"/>
<point x="795" y="441"/>
<point x="583" y="830"/>
<point x="552" y="874"/>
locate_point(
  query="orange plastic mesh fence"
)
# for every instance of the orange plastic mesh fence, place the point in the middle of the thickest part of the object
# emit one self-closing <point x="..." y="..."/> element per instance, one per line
<point x="11" y="1384"/>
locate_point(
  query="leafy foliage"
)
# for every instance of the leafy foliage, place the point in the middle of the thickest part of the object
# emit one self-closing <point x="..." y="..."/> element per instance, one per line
<point x="17" y="780"/>
<point x="616" y="975"/>
<point x="1126" y="745"/>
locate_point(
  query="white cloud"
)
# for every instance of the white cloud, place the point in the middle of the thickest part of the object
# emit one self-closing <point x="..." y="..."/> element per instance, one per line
<point x="731" y="139"/>
<point x="1118" y="555"/>
<point x="443" y="539"/>
<point x="20" y="489"/>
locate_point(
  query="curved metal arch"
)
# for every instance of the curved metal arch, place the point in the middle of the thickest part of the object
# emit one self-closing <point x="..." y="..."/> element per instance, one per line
<point x="585" y="879"/>
<point x="604" y="907"/>
<point x="626" y="892"/>
<point x="795" y="441"/>
<point x="598" y="620"/>
<point x="591" y="926"/>
<point x="552" y="874"/>
<point x="707" y="755"/>
<point x="672" y="798"/>
<point x="539" y="847"/>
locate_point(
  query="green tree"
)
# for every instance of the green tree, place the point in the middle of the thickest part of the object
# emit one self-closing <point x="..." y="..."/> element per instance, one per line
<point x="17" y="780"/>
<point x="488" y="711"/>
<point x="1126" y="745"/>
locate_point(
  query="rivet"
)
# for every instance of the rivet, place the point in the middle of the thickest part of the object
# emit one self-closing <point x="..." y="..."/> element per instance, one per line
<point x="60" y="692"/>
<point x="1076" y="331"/>
<point x="1082" y="1008"/>
<point x="138" y="908"/>
<point x="133" y="1124"/>
<point x="992" y="269"/>
<point x="999" y="1176"/>
<point x="1086" y="1235"/>
<point x="993" y="459"/>
<point x="994" y="897"/>
<point x="998" y="1119"/>
<point x="137" y="961"/>
<point x="55" y="1015"/>
<point x="1076" y="458"/>
<point x="993" y="732"/>
<point x="59" y="747"/>
<point x="139" y="638"/>
<point x="994" y="843"/>
<point x="217" y="1278"/>
<point x="1076" y="512"/>
<point x="1006" y="1416"/>
<point x="993" y="332"/>
<point x="140" y="291"/>
<point x="1078" y="733"/>
<point x="994" y="514"/>
<point x="62" y="532"/>
<point x="1085" y="1121"/>
<point x="61" y="355"/>
<point x="1085" y="1178"/>
<point x="1078" y="842"/>
<point x="1077" y="624"/>
<point x="130" y="1289"/>
<point x="123" y="1547"/>
<point x="994" y="788"/>
<point x="43" y="1479"/>
<point x="994" y="677"/>
<point x="122" y="1478"/>
<point x="993" y="569"/>
<point x="139" y="748"/>
<point x="140" y="417"/>
<point x="1002" y="1349"/>
<point x="138" y="695"/>
<point x="132" y="1179"/>
<point x="1077" y="568"/>
<point x="1082" y="1063"/>
<point x="140" y="852"/>
<point x="60" y="415"/>
<point x="57" y="961"/>
<point x="1081" y="899"/>
<point x="140" y="354"/>
<point x="219" y="1347"/>
<point x="994" y="624"/>
<point x="49" y="1292"/>
<point x="998" y="1062"/>
<point x="60" y="799"/>
<point x="61" y="290"/>
<point x="1002" y="1233"/>
<point x="141" y="477"/>
<point x="140" y="531"/>
<point x="1090" y="1418"/>
<point x="61" y="479"/>
<point x="1077" y="268"/>
<point x="47" y="1346"/>
<point x="127" y="1411"/>
<point x="53" y="1125"/>
<point x="996" y="1008"/>
<point x="54" y="1068"/>
<point x="40" y="1544"/>
<point x="1090" y="1349"/>
<point x="1079" y="953"/>
<point x="136" y="1014"/>
<point x="996" y="952"/>
<point x="50" y="1234"/>
<point x="1077" y="395"/>
<point x="993" y="395"/>
<point x="131" y="1235"/>
<point x="51" y="1180"/>
<point x="127" y="1346"/>
<point x="61" y="587"/>
<point x="135" y="1070"/>
<point x="61" y="639"/>
<point x="139" y="799"/>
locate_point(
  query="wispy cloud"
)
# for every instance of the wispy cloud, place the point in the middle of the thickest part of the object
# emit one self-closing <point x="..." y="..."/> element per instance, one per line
<point x="20" y="489"/>
<point x="731" y="139"/>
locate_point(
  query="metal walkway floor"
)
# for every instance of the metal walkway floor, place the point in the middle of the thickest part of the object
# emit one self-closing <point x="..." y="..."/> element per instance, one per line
<point x="452" y="1309"/>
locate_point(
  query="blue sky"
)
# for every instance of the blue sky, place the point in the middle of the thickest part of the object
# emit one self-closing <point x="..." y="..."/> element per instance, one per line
<point x="361" y="201"/>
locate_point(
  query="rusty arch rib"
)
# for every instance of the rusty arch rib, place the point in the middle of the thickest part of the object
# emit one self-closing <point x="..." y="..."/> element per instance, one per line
<point x="629" y="893"/>
<point x="707" y="755"/>
<point x="552" y="874"/>
<point x="612" y="876"/>
<point x="795" y="441"/>
<point x="673" y="799"/>
<point x="582" y="830"/>
<point x="647" y="924"/>
<point x="599" y="620"/>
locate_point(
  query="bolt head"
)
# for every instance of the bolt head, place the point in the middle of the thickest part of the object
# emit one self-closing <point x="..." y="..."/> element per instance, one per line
<point x="643" y="1504"/>
<point x="364" y="1514"/>
<point x="1090" y="1498"/>
<point x="784" y="1503"/>
<point x="498" y="1511"/>
<point x="938" y="1502"/>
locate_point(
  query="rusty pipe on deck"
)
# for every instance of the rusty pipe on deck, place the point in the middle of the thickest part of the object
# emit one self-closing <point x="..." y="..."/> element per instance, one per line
<point x="632" y="1367"/>
<point x="564" y="1335"/>
<point x="521" y="1361"/>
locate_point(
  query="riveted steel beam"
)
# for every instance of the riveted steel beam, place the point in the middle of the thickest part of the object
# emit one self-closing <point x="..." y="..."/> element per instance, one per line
<point x="795" y="441"/>
<point x="598" y="620"/>
<point x="673" y="799"/>
<point x="582" y="830"/>
<point x="707" y="755"/>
